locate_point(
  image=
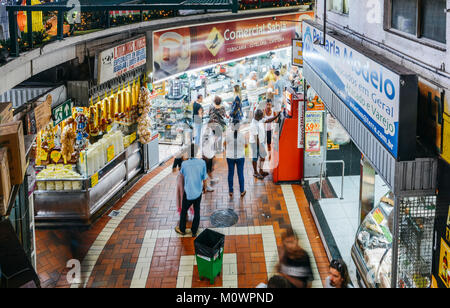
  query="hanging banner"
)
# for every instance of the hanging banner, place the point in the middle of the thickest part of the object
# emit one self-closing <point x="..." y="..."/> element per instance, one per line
<point x="182" y="49"/>
<point x="118" y="60"/>
<point x="371" y="90"/>
<point x="297" y="53"/>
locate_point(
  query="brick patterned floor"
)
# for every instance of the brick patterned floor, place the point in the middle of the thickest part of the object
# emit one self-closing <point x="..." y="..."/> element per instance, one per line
<point x="263" y="205"/>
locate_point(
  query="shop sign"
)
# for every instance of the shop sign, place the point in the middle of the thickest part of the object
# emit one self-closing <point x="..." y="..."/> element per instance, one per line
<point x="110" y="153"/>
<point x="444" y="263"/>
<point x="446" y="138"/>
<point x="62" y="112"/>
<point x="370" y="90"/>
<point x="118" y="60"/>
<point x="297" y="53"/>
<point x="314" y="122"/>
<point x="182" y="49"/>
<point x="94" y="180"/>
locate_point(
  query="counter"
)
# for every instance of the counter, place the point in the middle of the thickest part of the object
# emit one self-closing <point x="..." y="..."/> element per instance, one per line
<point x="77" y="207"/>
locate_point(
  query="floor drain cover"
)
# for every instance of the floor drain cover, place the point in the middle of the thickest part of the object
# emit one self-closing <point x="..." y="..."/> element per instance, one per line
<point x="224" y="218"/>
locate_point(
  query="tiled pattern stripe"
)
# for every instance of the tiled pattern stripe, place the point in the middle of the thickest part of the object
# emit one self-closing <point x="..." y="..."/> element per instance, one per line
<point x="185" y="273"/>
<point x="97" y="247"/>
<point x="299" y="229"/>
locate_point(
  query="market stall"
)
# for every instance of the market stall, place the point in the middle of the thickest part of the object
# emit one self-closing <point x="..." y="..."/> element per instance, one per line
<point x="88" y="154"/>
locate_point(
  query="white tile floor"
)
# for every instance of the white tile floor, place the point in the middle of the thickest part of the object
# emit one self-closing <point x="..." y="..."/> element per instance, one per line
<point x="343" y="215"/>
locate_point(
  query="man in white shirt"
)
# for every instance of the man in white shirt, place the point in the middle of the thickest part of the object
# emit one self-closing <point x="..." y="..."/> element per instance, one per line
<point x="252" y="91"/>
<point x="258" y="142"/>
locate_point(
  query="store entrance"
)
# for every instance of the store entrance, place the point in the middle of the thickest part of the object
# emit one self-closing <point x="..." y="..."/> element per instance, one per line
<point x="350" y="188"/>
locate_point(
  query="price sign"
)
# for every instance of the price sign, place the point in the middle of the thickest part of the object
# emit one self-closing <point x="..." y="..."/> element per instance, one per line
<point x="313" y="122"/>
<point x="43" y="156"/>
<point x="94" y="180"/>
<point x="378" y="216"/>
<point x="55" y="156"/>
<point x="111" y="153"/>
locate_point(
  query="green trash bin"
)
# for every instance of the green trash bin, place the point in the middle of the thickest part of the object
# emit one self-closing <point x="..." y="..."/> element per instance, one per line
<point x="209" y="247"/>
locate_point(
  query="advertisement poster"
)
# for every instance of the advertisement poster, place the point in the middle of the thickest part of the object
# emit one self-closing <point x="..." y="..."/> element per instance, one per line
<point x="313" y="143"/>
<point x="314" y="122"/>
<point x="444" y="270"/>
<point x="118" y="60"/>
<point x="370" y="91"/>
<point x="182" y="49"/>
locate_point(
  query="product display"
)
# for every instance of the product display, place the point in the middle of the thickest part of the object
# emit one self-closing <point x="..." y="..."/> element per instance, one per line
<point x="373" y="249"/>
<point x="58" y="177"/>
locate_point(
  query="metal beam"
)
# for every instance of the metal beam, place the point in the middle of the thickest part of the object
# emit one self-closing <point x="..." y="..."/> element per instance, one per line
<point x="13" y="34"/>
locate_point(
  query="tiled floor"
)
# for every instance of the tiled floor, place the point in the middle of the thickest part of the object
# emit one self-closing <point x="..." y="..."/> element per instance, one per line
<point x="139" y="248"/>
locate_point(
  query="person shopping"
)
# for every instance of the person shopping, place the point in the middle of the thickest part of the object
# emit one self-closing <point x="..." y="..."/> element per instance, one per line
<point x="235" y="145"/>
<point x="338" y="277"/>
<point x="198" y="119"/>
<point x="236" y="114"/>
<point x="194" y="173"/>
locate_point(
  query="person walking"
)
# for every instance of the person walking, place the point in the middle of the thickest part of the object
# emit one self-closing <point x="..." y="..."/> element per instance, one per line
<point x="217" y="122"/>
<point x="252" y="92"/>
<point x="194" y="173"/>
<point x="295" y="264"/>
<point x="279" y="92"/>
<point x="236" y="114"/>
<point x="208" y="154"/>
<point x="235" y="145"/>
<point x="269" y="114"/>
<point x="198" y="119"/>
<point x="338" y="277"/>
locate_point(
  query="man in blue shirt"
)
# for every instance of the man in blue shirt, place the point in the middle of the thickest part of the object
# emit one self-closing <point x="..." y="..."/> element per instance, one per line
<point x="194" y="172"/>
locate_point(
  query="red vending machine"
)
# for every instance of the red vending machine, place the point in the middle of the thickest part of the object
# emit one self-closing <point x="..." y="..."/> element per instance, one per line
<point x="288" y="151"/>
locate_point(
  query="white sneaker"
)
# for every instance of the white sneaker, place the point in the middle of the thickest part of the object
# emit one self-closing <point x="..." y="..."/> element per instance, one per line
<point x="209" y="189"/>
<point x="214" y="180"/>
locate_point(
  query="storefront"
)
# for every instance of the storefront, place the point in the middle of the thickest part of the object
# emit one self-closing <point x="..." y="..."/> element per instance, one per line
<point x="210" y="60"/>
<point x="378" y="199"/>
<point x="88" y="151"/>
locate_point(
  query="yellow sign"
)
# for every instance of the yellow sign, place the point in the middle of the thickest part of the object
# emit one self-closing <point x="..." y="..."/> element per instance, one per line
<point x="378" y="216"/>
<point x="94" y="180"/>
<point x="111" y="153"/>
<point x="43" y="156"/>
<point x="81" y="158"/>
<point x="55" y="156"/>
<point x="444" y="269"/>
<point x="132" y="137"/>
<point x="446" y="139"/>
<point x="215" y="41"/>
<point x="108" y="128"/>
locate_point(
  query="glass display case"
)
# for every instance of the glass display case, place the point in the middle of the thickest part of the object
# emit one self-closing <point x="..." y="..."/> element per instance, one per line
<point x="372" y="251"/>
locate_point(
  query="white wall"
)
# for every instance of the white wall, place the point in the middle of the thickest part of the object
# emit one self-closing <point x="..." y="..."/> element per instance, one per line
<point x="366" y="17"/>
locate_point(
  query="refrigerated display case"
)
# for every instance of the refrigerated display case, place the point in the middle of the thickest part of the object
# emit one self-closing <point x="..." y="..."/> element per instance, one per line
<point x="372" y="251"/>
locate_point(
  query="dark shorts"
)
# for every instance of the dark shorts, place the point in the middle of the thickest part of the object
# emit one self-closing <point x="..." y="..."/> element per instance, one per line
<point x="269" y="137"/>
<point x="209" y="164"/>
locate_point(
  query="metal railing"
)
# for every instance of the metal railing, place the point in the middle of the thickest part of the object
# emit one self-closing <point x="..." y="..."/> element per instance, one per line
<point x="61" y="10"/>
<point x="321" y="176"/>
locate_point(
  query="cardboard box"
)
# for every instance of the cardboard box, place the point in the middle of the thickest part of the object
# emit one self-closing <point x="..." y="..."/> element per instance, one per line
<point x="11" y="137"/>
<point x="6" y="113"/>
<point x="5" y="184"/>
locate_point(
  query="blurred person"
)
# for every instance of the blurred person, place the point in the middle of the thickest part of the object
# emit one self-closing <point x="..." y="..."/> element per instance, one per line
<point x="252" y="92"/>
<point x="270" y="76"/>
<point x="208" y="154"/>
<point x="338" y="277"/>
<point x="236" y="113"/>
<point x="295" y="264"/>
<point x="198" y="119"/>
<point x="235" y="145"/>
<point x="278" y="282"/>
<point x="269" y="113"/>
<point x="239" y="71"/>
<point x="279" y="92"/>
<point x="194" y="173"/>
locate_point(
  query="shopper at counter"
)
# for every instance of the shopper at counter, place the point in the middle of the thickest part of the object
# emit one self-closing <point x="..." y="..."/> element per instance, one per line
<point x="235" y="145"/>
<point x="279" y="91"/>
<point x="268" y="114"/>
<point x="194" y="173"/>
<point x="270" y="76"/>
<point x="252" y="91"/>
<point x="239" y="71"/>
<point x="198" y="119"/>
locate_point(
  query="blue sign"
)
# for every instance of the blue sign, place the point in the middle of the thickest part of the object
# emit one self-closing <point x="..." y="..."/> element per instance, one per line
<point x="369" y="90"/>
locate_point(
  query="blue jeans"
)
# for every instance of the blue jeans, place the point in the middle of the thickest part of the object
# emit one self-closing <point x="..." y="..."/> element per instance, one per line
<point x="197" y="133"/>
<point x="240" y="169"/>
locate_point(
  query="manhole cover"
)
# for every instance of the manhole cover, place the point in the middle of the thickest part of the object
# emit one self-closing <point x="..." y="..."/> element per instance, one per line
<point x="224" y="218"/>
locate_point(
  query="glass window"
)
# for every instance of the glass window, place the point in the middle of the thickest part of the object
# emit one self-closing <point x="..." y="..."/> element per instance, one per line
<point x="434" y="20"/>
<point x="340" y="6"/>
<point x="404" y="16"/>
